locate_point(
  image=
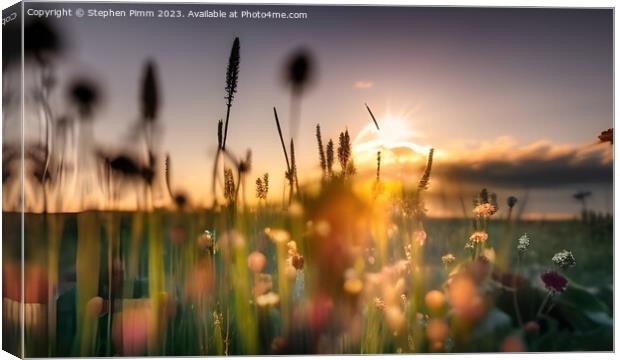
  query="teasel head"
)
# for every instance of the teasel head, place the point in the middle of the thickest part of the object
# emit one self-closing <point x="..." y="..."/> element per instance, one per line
<point x="232" y="72"/>
<point x="149" y="95"/>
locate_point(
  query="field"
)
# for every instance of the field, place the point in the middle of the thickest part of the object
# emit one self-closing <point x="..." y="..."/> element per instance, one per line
<point x="156" y="283"/>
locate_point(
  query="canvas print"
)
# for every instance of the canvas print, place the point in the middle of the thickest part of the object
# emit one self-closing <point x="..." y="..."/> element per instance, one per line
<point x="230" y="179"/>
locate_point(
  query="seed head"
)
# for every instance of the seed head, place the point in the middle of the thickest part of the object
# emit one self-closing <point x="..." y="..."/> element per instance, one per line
<point x="564" y="259"/>
<point x="523" y="243"/>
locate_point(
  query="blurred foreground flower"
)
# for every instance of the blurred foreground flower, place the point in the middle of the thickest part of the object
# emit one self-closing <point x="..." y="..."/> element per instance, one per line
<point x="448" y="259"/>
<point x="554" y="281"/>
<point x="256" y="262"/>
<point x="131" y="327"/>
<point x="479" y="237"/>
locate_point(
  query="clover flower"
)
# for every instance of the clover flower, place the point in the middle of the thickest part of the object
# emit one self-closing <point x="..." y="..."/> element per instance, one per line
<point x="554" y="281"/>
<point x="564" y="259"/>
<point x="523" y="243"/>
<point x="485" y="210"/>
<point x="479" y="237"/>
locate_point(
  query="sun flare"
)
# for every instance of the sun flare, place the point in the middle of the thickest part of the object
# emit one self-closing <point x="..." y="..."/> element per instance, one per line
<point x="393" y="139"/>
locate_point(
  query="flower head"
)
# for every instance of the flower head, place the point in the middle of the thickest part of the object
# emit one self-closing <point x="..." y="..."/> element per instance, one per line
<point x="269" y="299"/>
<point x="485" y="210"/>
<point x="447" y="259"/>
<point x="564" y="259"/>
<point x="554" y="281"/>
<point x="479" y="237"/>
<point x="523" y="243"/>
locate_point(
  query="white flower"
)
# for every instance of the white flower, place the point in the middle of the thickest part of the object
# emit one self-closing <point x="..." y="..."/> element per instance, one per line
<point x="524" y="243"/>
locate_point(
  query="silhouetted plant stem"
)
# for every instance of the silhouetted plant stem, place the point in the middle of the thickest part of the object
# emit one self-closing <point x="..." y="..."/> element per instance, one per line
<point x="275" y="113"/>
<point x="232" y="78"/>
<point x="544" y="303"/>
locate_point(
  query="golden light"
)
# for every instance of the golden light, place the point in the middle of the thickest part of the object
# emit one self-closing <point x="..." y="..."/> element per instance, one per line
<point x="394" y="140"/>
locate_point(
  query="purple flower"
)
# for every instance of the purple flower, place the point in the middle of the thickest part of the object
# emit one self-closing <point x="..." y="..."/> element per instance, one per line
<point x="554" y="281"/>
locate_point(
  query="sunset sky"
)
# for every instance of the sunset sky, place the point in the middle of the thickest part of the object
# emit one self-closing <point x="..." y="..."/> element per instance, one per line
<point x="511" y="99"/>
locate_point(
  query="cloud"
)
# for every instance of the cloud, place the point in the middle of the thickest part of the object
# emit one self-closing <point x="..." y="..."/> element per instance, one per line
<point x="363" y="84"/>
<point x="542" y="164"/>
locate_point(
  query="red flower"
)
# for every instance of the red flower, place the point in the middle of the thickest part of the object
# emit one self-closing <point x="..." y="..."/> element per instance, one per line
<point x="554" y="281"/>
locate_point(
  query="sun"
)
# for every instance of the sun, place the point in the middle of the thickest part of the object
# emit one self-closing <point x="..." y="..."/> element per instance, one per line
<point x="394" y="140"/>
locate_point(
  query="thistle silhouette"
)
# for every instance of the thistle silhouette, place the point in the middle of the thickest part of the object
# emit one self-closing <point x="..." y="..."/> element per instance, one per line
<point x="299" y="74"/>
